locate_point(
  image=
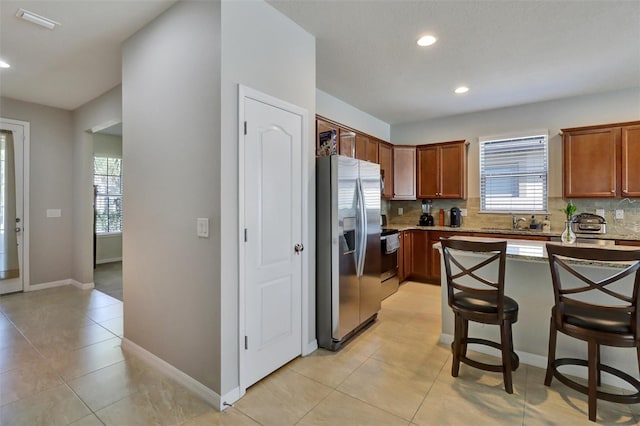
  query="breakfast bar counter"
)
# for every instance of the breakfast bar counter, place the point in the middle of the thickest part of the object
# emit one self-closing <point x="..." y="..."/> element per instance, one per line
<point x="528" y="281"/>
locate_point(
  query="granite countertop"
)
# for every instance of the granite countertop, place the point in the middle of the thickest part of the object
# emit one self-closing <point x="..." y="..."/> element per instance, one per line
<point x="532" y="250"/>
<point x="523" y="232"/>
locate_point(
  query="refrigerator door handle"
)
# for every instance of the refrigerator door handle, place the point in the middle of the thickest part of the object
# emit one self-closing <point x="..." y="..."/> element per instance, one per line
<point x="363" y="229"/>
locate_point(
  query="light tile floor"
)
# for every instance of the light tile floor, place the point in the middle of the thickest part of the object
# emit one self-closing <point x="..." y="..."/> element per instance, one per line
<point x="61" y="363"/>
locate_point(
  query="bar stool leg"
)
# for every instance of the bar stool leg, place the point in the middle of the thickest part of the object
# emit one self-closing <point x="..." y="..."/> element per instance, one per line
<point x="598" y="365"/>
<point x="456" y="348"/>
<point x="505" y="331"/>
<point x="551" y="356"/>
<point x="465" y="335"/>
<point x="593" y="379"/>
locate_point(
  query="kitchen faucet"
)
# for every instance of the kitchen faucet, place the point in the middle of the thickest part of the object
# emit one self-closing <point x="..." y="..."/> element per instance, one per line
<point x="516" y="222"/>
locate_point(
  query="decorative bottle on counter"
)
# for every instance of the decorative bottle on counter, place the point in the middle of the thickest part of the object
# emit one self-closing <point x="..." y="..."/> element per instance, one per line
<point x="441" y="218"/>
<point x="568" y="236"/>
<point x="546" y="224"/>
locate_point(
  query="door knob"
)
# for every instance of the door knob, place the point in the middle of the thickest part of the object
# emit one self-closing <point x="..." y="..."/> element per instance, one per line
<point x="298" y="248"/>
<point x="18" y="229"/>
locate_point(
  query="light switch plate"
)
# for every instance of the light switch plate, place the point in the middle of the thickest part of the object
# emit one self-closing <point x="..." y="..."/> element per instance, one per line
<point x="54" y="213"/>
<point x="463" y="212"/>
<point x="619" y="214"/>
<point x="203" y="227"/>
<point x="600" y="212"/>
<point x="400" y="211"/>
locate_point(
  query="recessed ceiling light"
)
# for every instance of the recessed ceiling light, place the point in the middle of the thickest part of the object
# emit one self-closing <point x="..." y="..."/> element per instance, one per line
<point x="426" y="40"/>
<point x="462" y="89"/>
<point x="3" y="64"/>
<point x="36" y="19"/>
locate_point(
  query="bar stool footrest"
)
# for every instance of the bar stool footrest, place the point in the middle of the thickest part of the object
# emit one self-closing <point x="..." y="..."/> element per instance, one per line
<point x="606" y="396"/>
<point x="498" y="368"/>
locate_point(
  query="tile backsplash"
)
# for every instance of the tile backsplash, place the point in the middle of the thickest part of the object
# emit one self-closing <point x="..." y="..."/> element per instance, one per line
<point x="628" y="225"/>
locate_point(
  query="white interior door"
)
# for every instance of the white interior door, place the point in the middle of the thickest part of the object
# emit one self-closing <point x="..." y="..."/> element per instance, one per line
<point x="273" y="224"/>
<point x="11" y="218"/>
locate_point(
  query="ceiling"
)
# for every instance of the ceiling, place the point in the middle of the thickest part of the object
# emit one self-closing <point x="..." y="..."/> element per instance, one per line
<point x="508" y="52"/>
<point x="76" y="62"/>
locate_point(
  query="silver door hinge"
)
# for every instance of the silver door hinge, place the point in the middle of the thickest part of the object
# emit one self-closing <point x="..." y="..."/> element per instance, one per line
<point x="246" y="342"/>
<point x="245" y="235"/>
<point x="245" y="127"/>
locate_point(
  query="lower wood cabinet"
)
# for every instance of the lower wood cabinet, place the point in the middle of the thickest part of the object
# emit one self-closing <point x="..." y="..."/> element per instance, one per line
<point x="420" y="255"/>
<point x="419" y="261"/>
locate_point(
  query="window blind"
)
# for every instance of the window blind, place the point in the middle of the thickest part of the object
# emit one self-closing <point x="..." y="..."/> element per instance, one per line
<point x="107" y="180"/>
<point x="513" y="174"/>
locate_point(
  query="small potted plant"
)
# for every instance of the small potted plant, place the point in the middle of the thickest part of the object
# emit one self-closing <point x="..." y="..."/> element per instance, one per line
<point x="568" y="236"/>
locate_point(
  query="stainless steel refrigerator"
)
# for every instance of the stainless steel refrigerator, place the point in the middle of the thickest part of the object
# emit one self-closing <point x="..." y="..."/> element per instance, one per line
<point x="348" y="248"/>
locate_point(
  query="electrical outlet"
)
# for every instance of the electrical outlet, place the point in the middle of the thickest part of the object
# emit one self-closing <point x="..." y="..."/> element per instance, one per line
<point x="600" y="212"/>
<point x="619" y="214"/>
<point x="400" y="211"/>
<point x="463" y="212"/>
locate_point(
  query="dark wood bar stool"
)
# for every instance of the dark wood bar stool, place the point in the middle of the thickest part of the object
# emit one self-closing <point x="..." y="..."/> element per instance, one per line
<point x="474" y="297"/>
<point x="576" y="314"/>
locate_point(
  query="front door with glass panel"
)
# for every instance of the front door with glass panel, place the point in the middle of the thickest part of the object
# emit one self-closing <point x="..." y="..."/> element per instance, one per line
<point x="11" y="206"/>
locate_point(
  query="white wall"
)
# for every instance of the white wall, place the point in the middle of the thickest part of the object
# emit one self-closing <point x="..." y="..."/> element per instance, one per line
<point x="50" y="239"/>
<point x="611" y="107"/>
<point x="262" y="49"/>
<point x="104" y="109"/>
<point x="171" y="151"/>
<point x="337" y="110"/>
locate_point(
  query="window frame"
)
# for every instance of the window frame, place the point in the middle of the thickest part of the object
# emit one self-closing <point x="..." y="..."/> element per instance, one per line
<point x="98" y="194"/>
<point x="510" y="138"/>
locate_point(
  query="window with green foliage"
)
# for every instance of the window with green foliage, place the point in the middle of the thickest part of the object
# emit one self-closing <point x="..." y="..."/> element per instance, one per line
<point x="107" y="183"/>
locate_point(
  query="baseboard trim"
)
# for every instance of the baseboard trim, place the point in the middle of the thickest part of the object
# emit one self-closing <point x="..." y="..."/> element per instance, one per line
<point x="109" y="260"/>
<point x="82" y="286"/>
<point x="310" y="347"/>
<point x="540" y="361"/>
<point x="50" y="284"/>
<point x="168" y="370"/>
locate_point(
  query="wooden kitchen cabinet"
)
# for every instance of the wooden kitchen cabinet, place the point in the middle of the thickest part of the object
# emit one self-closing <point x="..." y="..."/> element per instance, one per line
<point x="404" y="172"/>
<point x="420" y="255"/>
<point x="404" y="256"/>
<point x="630" y="158"/>
<point x="372" y="151"/>
<point x="385" y="158"/>
<point x="442" y="170"/>
<point x="366" y="148"/>
<point x="601" y="161"/>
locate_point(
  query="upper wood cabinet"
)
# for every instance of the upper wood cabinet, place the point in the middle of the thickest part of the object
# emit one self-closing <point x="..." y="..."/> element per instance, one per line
<point x="404" y="172"/>
<point x="347" y="142"/>
<point x="385" y="157"/>
<point x="601" y="161"/>
<point x="442" y="170"/>
<point x="366" y="148"/>
<point x="630" y="161"/>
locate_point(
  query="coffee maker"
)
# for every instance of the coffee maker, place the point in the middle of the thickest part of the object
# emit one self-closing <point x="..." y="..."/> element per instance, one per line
<point x="455" y="218"/>
<point x="425" y="218"/>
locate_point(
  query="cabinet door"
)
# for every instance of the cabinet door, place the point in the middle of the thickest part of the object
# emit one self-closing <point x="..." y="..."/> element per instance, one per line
<point x="404" y="173"/>
<point x="386" y="169"/>
<point x="453" y="171"/>
<point x="428" y="173"/>
<point x="361" y="146"/>
<point x="407" y="255"/>
<point x="372" y="150"/>
<point x="434" y="255"/>
<point x="347" y="143"/>
<point x="420" y="254"/>
<point x="401" y="273"/>
<point x="590" y="158"/>
<point x="630" y="186"/>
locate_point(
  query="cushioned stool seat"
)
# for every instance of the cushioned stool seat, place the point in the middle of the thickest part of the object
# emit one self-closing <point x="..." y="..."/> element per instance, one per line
<point x="576" y="314"/>
<point x="476" y="293"/>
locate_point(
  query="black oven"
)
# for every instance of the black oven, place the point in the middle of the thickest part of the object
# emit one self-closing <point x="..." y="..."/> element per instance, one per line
<point x="389" y="244"/>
